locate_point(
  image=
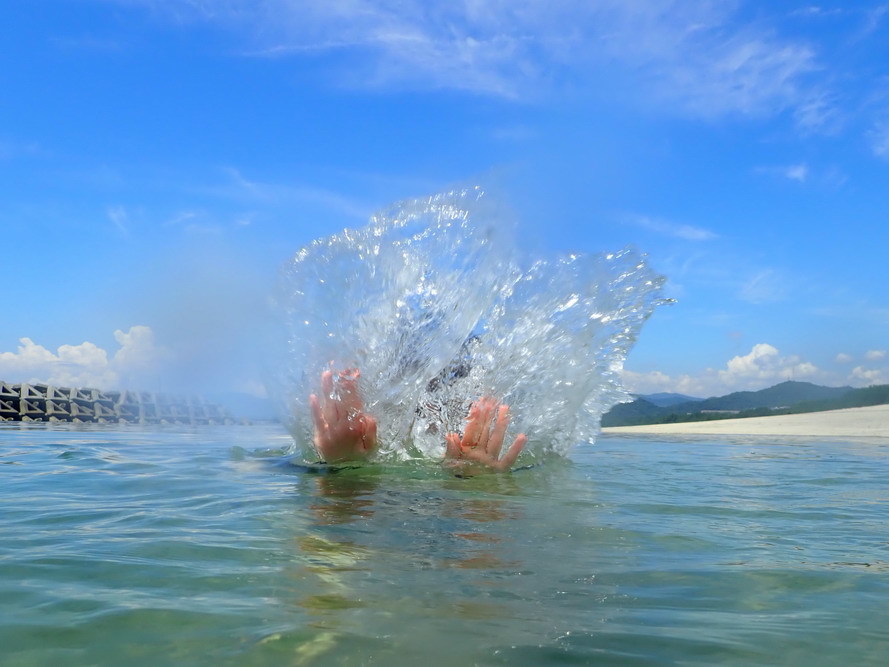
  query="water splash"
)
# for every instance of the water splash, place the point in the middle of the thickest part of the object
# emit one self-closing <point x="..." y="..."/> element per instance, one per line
<point x="431" y="304"/>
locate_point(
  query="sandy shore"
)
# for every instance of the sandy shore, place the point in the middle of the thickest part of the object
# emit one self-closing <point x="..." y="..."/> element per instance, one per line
<point x="872" y="422"/>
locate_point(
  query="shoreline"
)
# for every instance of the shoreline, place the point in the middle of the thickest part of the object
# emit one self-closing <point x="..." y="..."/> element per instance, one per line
<point x="869" y="422"/>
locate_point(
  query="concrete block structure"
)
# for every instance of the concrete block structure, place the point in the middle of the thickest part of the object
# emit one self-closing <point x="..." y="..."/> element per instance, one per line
<point x="42" y="402"/>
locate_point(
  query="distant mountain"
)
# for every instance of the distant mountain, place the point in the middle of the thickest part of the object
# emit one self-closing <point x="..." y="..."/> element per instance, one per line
<point x="665" y="399"/>
<point x="636" y="412"/>
<point x="780" y="396"/>
<point x="785" y="395"/>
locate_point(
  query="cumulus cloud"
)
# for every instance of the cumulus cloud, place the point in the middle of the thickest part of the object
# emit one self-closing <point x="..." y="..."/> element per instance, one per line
<point x="133" y="364"/>
<point x="868" y="376"/>
<point x="699" y="55"/>
<point x="764" y="364"/>
<point x="762" y="367"/>
<point x="655" y="382"/>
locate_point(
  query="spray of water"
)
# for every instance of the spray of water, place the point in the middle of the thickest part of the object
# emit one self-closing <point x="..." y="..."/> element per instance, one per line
<point x="430" y="303"/>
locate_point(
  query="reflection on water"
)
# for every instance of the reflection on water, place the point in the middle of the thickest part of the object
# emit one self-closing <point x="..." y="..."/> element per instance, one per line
<point x="364" y="545"/>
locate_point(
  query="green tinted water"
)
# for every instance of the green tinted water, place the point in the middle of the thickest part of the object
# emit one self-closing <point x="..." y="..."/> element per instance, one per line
<point x="156" y="546"/>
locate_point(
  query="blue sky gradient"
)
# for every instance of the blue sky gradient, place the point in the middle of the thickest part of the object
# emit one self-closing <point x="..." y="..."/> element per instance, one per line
<point x="162" y="158"/>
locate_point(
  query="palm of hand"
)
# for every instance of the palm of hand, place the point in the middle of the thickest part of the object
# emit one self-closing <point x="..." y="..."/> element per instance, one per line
<point x="482" y="440"/>
<point x="343" y="432"/>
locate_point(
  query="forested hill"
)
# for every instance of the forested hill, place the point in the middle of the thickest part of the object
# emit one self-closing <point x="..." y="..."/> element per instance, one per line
<point x="785" y="398"/>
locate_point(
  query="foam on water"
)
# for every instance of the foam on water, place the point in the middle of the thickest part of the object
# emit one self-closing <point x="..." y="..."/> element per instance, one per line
<point x="430" y="302"/>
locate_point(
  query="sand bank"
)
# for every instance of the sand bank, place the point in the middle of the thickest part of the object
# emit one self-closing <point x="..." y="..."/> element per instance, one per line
<point x="870" y="422"/>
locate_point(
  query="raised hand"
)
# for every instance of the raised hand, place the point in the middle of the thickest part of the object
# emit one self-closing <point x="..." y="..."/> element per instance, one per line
<point x="482" y="440"/>
<point x="343" y="432"/>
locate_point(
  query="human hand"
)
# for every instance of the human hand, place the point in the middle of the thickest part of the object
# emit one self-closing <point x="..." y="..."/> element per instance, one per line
<point x="482" y="440"/>
<point x="343" y="432"/>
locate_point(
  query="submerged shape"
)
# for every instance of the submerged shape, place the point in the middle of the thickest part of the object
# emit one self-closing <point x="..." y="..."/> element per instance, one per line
<point x="430" y="303"/>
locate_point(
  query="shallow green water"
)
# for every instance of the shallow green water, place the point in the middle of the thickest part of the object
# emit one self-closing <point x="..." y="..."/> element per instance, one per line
<point x="157" y="546"/>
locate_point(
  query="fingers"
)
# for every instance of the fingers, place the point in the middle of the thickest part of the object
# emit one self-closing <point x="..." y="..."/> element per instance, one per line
<point x="327" y="383"/>
<point x="453" y="451"/>
<point x="478" y="423"/>
<point x="341" y="399"/>
<point x="487" y="409"/>
<point x="349" y="397"/>
<point x="482" y="440"/>
<point x="369" y="437"/>
<point x="498" y="432"/>
<point x="317" y="415"/>
<point x="473" y="425"/>
<point x="513" y="452"/>
<point x="329" y="404"/>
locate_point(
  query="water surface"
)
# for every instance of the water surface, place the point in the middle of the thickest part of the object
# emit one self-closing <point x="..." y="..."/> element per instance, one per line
<point x="154" y="545"/>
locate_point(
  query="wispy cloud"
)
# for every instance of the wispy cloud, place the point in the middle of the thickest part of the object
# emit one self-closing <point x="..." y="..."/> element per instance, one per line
<point x="793" y="172"/>
<point x="257" y="193"/>
<point x="119" y="218"/>
<point x="764" y="286"/>
<point x="875" y="355"/>
<point x="815" y="11"/>
<point x="701" y="56"/>
<point x="874" y="19"/>
<point x="797" y="172"/>
<point x="183" y="218"/>
<point x="879" y="138"/>
<point x="87" y="43"/>
<point x="11" y="149"/>
<point x="668" y="228"/>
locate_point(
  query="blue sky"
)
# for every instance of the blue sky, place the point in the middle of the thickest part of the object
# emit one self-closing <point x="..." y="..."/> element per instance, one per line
<point x="162" y="158"/>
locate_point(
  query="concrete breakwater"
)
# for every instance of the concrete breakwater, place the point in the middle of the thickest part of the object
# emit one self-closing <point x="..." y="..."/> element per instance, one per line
<point x="43" y="402"/>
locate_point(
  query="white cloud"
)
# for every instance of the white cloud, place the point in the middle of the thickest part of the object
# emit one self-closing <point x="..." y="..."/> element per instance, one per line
<point x="879" y="139"/>
<point x="10" y="150"/>
<point x="765" y="286"/>
<point x="184" y="218"/>
<point x="868" y="376"/>
<point x="797" y="172"/>
<point x="654" y="382"/>
<point x="875" y="355"/>
<point x="843" y="358"/>
<point x="255" y="194"/>
<point x="133" y="364"/>
<point x="873" y="18"/>
<point x="667" y="228"/>
<point x="119" y="218"/>
<point x="814" y="11"/>
<point x="819" y="111"/>
<point x="792" y="172"/>
<point x="762" y="367"/>
<point x="699" y="55"/>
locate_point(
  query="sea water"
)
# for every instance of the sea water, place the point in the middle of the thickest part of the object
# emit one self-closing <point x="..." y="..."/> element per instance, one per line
<point x="206" y="546"/>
